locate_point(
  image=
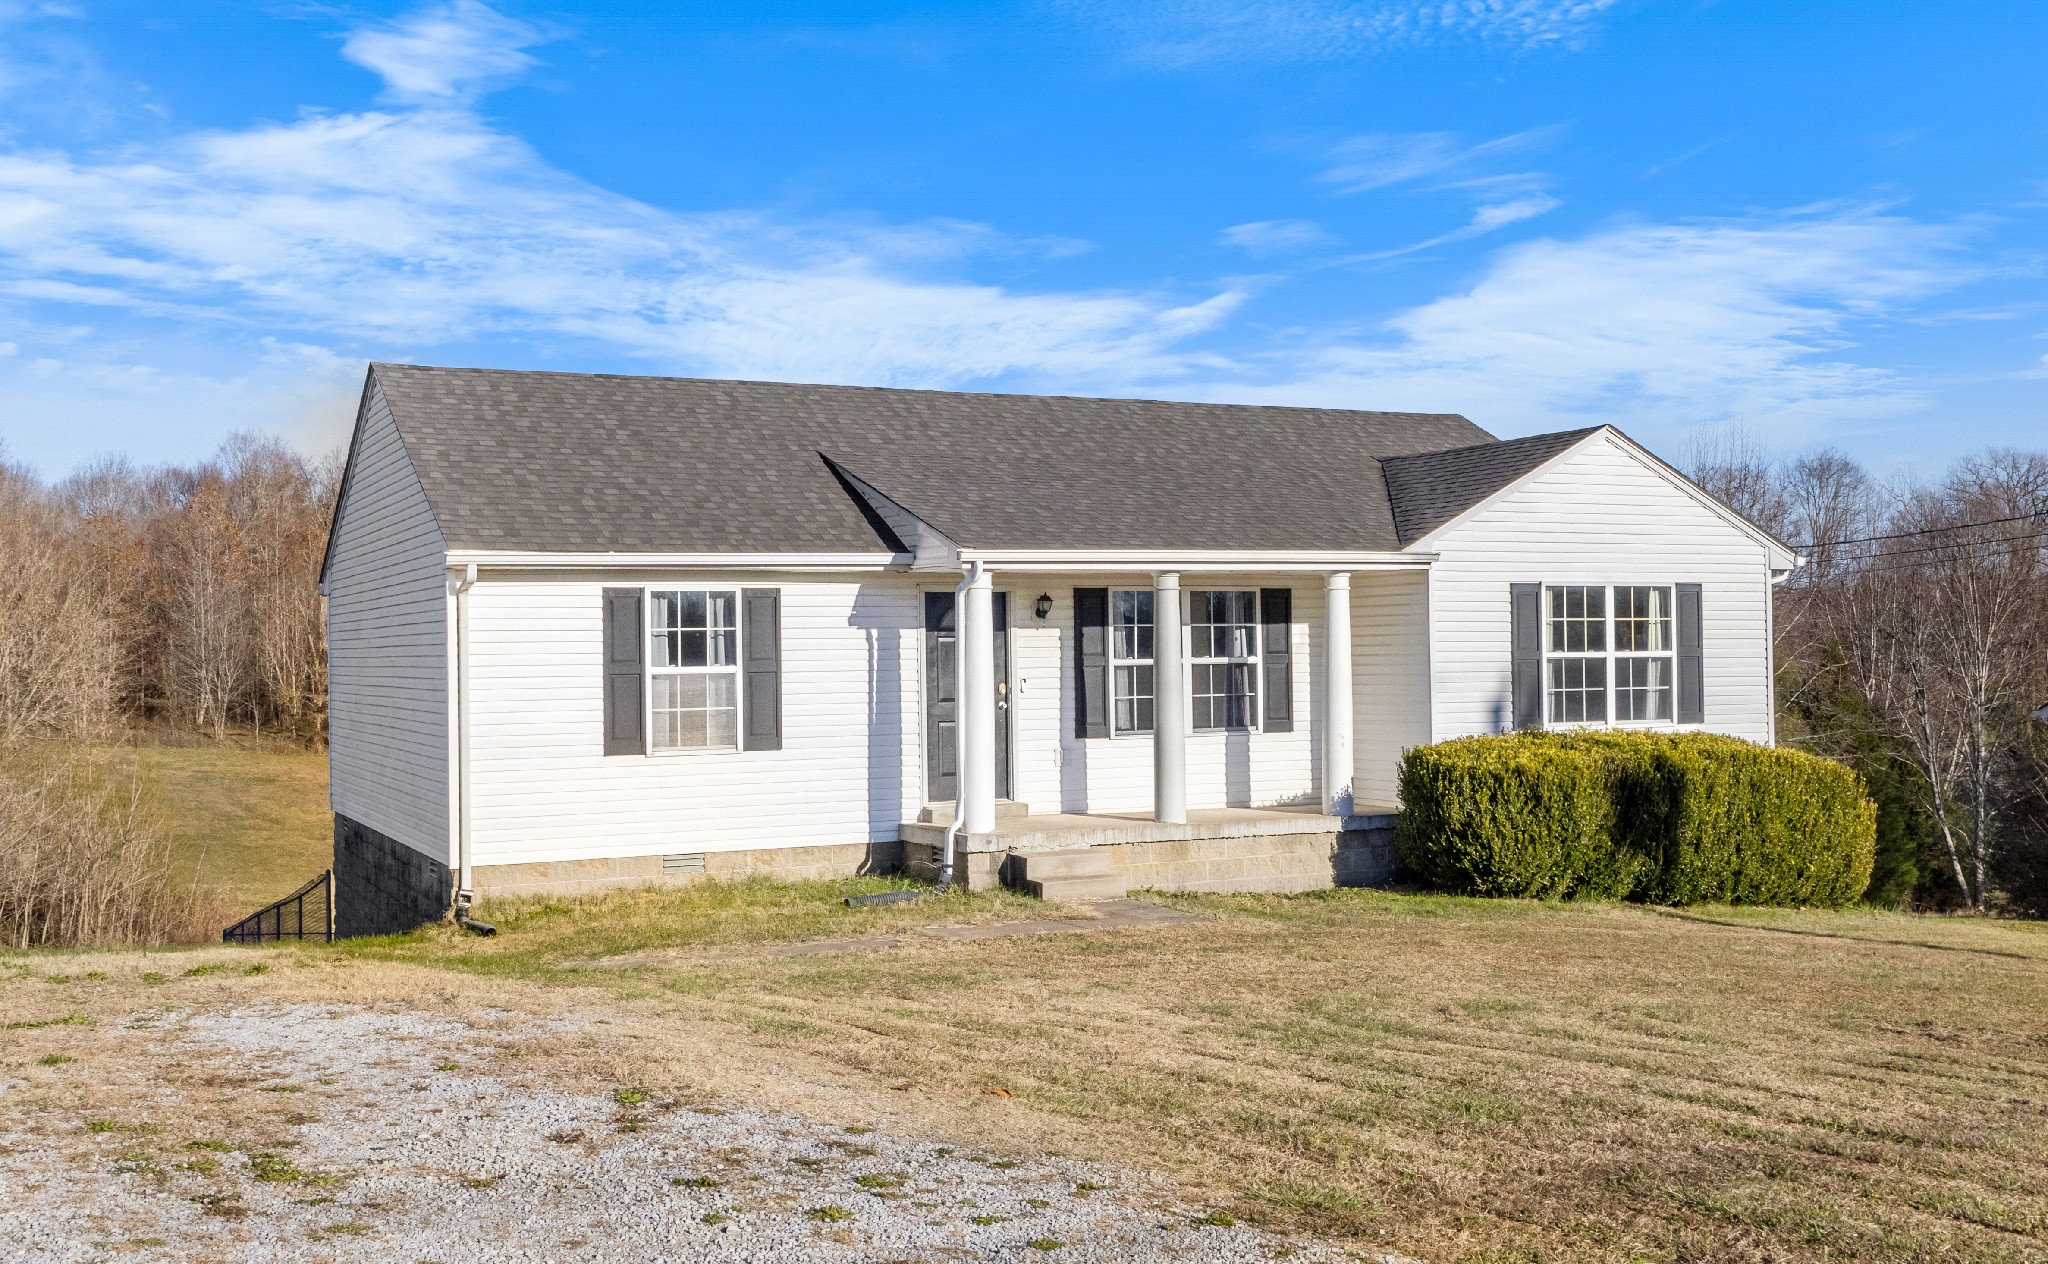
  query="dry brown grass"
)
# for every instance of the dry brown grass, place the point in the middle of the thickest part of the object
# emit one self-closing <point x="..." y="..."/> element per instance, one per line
<point x="1455" y="1080"/>
<point x="82" y="858"/>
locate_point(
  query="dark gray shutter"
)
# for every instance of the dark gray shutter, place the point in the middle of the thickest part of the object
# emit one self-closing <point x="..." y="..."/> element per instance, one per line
<point x="1092" y="692"/>
<point x="1692" y="692"/>
<point x="1526" y="605"/>
<point x="1276" y="649"/>
<point x="625" y="648"/>
<point x="761" y="649"/>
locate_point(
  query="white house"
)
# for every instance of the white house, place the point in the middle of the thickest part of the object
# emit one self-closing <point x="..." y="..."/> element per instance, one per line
<point x="587" y="631"/>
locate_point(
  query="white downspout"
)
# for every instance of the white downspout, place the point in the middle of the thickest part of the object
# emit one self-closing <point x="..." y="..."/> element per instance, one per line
<point x="1770" y="648"/>
<point x="973" y="572"/>
<point x="465" y="887"/>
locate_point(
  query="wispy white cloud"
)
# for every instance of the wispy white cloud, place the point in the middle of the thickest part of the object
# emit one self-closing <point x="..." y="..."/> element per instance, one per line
<point x="1188" y="32"/>
<point x="1443" y="162"/>
<point x="1274" y="236"/>
<point x="426" y="225"/>
<point x="1652" y="326"/>
<point x="449" y="52"/>
<point x="1484" y="220"/>
<point x="1436" y="160"/>
<point x="31" y="61"/>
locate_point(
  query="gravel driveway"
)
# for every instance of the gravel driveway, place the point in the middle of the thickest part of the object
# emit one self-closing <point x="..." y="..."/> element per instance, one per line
<point x="419" y="1139"/>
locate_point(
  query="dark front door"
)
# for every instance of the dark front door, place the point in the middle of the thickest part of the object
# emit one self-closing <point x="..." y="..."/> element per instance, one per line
<point x="941" y="709"/>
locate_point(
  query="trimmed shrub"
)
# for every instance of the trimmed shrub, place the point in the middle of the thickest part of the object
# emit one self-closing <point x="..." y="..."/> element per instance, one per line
<point x="1514" y="816"/>
<point x="1675" y="818"/>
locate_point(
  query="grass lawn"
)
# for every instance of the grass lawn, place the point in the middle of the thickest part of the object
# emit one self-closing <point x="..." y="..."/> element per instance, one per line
<point x="247" y="821"/>
<point x="1455" y="1080"/>
<point x="1451" y="1079"/>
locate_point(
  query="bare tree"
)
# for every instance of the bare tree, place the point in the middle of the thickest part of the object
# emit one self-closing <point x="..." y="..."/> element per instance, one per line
<point x="1828" y="498"/>
<point x="1736" y="470"/>
<point x="1943" y="629"/>
<point x="57" y="668"/>
<point x="277" y="502"/>
<point x="204" y="594"/>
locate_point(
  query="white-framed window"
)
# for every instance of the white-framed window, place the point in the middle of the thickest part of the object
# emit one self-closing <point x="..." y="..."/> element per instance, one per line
<point x="1223" y="660"/>
<point x="1644" y="644"/>
<point x="1608" y="654"/>
<point x="1130" y="653"/>
<point x="693" y="679"/>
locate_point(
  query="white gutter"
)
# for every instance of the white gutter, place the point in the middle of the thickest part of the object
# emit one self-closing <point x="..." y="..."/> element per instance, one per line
<point x="974" y="572"/>
<point x="1034" y="560"/>
<point x="1212" y="561"/>
<point x="465" y="886"/>
<point x="529" y="560"/>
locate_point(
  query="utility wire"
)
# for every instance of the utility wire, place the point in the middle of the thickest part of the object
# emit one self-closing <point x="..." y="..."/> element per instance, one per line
<point x="1888" y="554"/>
<point x="1906" y="535"/>
<point x="1871" y="555"/>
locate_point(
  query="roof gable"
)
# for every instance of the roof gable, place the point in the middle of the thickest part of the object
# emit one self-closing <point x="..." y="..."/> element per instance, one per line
<point x="1478" y="481"/>
<point x="1429" y="489"/>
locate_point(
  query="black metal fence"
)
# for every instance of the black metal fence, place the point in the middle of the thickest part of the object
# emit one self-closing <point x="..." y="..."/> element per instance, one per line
<point x="306" y="914"/>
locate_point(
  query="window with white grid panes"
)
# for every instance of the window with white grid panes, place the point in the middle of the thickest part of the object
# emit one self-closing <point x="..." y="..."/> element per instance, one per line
<point x="1130" y="651"/>
<point x="1223" y="659"/>
<point x="693" y="669"/>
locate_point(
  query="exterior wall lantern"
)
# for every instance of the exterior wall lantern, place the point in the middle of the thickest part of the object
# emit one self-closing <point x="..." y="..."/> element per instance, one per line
<point x="1043" y="606"/>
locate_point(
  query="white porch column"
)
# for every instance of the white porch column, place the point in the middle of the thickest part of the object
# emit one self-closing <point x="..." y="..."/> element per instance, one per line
<point x="1337" y="762"/>
<point x="975" y="642"/>
<point x="1169" y="705"/>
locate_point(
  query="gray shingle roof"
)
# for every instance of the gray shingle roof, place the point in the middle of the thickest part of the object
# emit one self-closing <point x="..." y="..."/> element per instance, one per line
<point x="596" y="463"/>
<point x="1429" y="489"/>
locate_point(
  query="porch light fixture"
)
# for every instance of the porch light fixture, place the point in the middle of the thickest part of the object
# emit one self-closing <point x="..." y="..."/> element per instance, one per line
<point x="1043" y="606"/>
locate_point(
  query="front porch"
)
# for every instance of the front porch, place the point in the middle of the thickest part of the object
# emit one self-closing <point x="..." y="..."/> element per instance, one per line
<point x="1215" y="849"/>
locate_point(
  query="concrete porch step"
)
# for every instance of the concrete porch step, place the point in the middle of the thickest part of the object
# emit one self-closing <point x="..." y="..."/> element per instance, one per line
<point x="1105" y="887"/>
<point x="1072" y="862"/>
<point x="1078" y="873"/>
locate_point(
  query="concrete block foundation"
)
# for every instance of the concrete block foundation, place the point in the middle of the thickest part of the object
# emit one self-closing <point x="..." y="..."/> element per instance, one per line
<point x="382" y="886"/>
<point x="787" y="864"/>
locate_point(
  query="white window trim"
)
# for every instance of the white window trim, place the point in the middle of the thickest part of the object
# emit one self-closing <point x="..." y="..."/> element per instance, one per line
<point x="1115" y="662"/>
<point x="649" y="671"/>
<point x="1189" y="662"/>
<point x="1611" y="655"/>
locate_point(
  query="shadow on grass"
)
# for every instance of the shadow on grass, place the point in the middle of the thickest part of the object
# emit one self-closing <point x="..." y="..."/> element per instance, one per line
<point x="546" y="935"/>
<point x="1683" y="916"/>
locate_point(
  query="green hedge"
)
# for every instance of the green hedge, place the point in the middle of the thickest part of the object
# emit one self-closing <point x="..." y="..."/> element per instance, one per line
<point x="1676" y="818"/>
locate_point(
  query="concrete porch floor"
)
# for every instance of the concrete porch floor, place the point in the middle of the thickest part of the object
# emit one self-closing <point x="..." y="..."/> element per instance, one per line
<point x="1057" y="831"/>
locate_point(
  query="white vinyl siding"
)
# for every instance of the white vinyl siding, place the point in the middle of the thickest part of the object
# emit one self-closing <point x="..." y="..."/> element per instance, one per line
<point x="1600" y="515"/>
<point x="543" y="790"/>
<point x="1390" y="664"/>
<point x="388" y="619"/>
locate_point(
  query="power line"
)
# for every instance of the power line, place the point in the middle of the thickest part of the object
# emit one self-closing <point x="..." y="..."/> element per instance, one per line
<point x="1907" y="535"/>
<point x="1888" y="554"/>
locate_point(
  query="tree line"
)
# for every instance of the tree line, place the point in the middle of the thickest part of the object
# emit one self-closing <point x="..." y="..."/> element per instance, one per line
<point x="179" y="594"/>
<point x="1913" y="645"/>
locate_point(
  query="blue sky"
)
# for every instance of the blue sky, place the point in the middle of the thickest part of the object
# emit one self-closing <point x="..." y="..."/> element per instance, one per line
<point x="1812" y="222"/>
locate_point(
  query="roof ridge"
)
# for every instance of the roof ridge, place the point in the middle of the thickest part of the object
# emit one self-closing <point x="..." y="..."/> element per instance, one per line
<point x="1497" y="444"/>
<point x="913" y="390"/>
